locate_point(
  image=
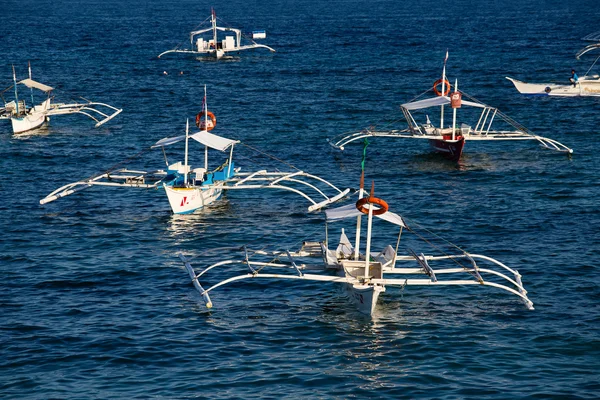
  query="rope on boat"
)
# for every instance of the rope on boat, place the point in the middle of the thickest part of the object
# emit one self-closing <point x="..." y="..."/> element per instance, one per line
<point x="270" y="156"/>
<point x="439" y="248"/>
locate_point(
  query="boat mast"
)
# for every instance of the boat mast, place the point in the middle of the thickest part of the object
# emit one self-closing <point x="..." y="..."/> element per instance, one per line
<point x="369" y="224"/>
<point x="16" y="91"/>
<point x="213" y="20"/>
<point x="443" y="90"/>
<point x="454" y="111"/>
<point x="31" y="88"/>
<point x="206" y="129"/>
<point x="361" y="194"/>
<point x="185" y="165"/>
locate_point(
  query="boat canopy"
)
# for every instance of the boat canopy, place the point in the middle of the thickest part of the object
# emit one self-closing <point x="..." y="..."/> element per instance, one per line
<point x="207" y="139"/>
<point x="350" y="211"/>
<point x="30" y="83"/>
<point x="436" y="102"/>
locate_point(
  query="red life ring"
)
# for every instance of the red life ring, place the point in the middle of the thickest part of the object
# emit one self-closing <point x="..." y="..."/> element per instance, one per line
<point x="200" y="123"/>
<point x="383" y="206"/>
<point x="446" y="87"/>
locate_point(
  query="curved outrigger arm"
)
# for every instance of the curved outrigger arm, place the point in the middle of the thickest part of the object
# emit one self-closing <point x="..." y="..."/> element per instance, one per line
<point x="587" y="49"/>
<point x="120" y="178"/>
<point x="89" y="109"/>
<point x="252" y="46"/>
<point x="353" y="137"/>
<point x="474" y="271"/>
<point x="282" y="181"/>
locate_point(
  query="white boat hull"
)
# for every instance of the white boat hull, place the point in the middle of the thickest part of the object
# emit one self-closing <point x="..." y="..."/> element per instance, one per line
<point x="586" y="86"/>
<point x="188" y="200"/>
<point x="33" y="119"/>
<point x="364" y="296"/>
<point x="27" y="122"/>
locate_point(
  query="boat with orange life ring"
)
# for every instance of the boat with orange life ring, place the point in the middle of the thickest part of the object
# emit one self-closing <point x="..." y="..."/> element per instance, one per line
<point x="365" y="276"/>
<point x="200" y="123"/>
<point x="446" y="86"/>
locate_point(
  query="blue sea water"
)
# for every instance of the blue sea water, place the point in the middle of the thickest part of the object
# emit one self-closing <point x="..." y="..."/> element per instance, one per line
<point x="95" y="304"/>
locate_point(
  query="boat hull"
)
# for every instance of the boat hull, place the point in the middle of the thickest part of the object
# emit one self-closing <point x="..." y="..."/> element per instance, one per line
<point x="364" y="296"/>
<point x="450" y="149"/>
<point x="586" y="86"/>
<point x="187" y="200"/>
<point x="28" y="122"/>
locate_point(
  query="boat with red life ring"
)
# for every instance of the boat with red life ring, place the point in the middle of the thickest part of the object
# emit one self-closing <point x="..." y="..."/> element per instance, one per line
<point x="475" y="122"/>
<point x="425" y="260"/>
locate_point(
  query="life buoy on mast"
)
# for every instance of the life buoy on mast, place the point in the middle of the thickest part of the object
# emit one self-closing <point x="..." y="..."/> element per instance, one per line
<point x="446" y="87"/>
<point x="210" y="125"/>
<point x="383" y="206"/>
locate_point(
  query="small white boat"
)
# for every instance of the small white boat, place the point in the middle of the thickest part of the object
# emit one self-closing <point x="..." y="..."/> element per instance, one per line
<point x="216" y="41"/>
<point x="364" y="276"/>
<point x="480" y="122"/>
<point x="25" y="117"/>
<point x="189" y="189"/>
<point x="586" y="85"/>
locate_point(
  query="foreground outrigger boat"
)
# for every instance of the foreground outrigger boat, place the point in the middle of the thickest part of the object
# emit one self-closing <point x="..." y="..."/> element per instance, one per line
<point x="587" y="85"/>
<point x="189" y="189"/>
<point x="25" y="118"/>
<point x="449" y="139"/>
<point x="365" y="276"/>
<point x="217" y="47"/>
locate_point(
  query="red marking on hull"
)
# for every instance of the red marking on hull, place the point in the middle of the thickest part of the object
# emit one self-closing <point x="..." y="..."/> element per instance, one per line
<point x="450" y="149"/>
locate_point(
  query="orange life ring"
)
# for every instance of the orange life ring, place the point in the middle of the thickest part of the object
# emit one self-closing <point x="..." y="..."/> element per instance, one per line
<point x="210" y="115"/>
<point x="446" y="85"/>
<point x="383" y="206"/>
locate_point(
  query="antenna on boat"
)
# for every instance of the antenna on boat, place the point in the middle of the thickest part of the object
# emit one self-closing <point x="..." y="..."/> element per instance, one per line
<point x="185" y="166"/>
<point x="443" y="91"/>
<point x="16" y="91"/>
<point x="206" y="126"/>
<point x="31" y="88"/>
<point x="454" y="107"/>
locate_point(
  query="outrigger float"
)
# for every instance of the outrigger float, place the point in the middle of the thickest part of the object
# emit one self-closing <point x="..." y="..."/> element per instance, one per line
<point x="189" y="189"/>
<point x="25" y="118"/>
<point x="449" y="138"/>
<point x="587" y="85"/>
<point x="218" y="46"/>
<point x="364" y="276"/>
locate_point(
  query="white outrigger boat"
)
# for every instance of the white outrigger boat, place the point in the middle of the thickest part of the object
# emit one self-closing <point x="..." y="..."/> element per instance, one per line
<point x="586" y="85"/>
<point x="365" y="276"/>
<point x="450" y="138"/>
<point x="25" y="118"/>
<point x="189" y="189"/>
<point x="218" y="46"/>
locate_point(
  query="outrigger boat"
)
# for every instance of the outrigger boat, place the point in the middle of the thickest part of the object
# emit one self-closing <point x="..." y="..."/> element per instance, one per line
<point x="218" y="46"/>
<point x="449" y="139"/>
<point x="364" y="276"/>
<point x="25" y="118"/>
<point x="587" y="85"/>
<point x="189" y="189"/>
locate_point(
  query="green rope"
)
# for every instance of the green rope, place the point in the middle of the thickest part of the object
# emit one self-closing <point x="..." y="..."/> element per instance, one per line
<point x="364" y="157"/>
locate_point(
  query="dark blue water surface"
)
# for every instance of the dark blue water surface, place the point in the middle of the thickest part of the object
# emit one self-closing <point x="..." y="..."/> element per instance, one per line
<point x="95" y="304"/>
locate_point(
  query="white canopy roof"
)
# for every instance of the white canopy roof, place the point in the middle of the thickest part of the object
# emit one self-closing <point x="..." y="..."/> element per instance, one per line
<point x="436" y="102"/>
<point x="207" y="139"/>
<point x="30" y="83"/>
<point x="350" y="211"/>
